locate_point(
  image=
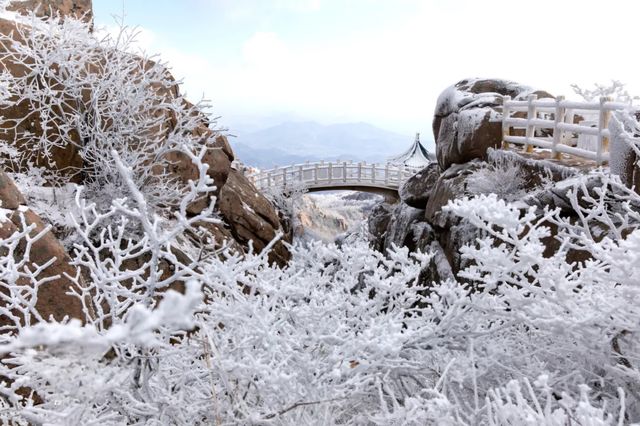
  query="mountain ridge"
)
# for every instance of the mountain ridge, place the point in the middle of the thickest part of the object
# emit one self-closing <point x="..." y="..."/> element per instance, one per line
<point x="299" y="141"/>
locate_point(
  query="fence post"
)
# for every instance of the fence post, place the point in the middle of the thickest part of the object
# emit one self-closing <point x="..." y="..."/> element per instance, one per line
<point x="557" y="133"/>
<point x="359" y="172"/>
<point x="315" y="173"/>
<point x="603" y="123"/>
<point x="344" y="171"/>
<point x="505" y="116"/>
<point x="268" y="179"/>
<point x="301" y="173"/>
<point x="531" y="128"/>
<point x="284" y="177"/>
<point x="330" y="172"/>
<point x="386" y="174"/>
<point x="373" y="173"/>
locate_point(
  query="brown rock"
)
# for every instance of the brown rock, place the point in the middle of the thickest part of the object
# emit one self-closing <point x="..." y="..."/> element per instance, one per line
<point x="10" y="196"/>
<point x="52" y="298"/>
<point x="23" y="118"/>
<point x="215" y="236"/>
<point x="79" y="9"/>
<point x="417" y="189"/>
<point x="250" y="216"/>
<point x="223" y="142"/>
<point x="451" y="184"/>
<point x="377" y="223"/>
<point x="468" y="118"/>
<point x="180" y="165"/>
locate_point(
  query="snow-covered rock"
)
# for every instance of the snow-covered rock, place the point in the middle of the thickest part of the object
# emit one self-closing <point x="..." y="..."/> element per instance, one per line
<point x="418" y="188"/>
<point x="329" y="216"/>
<point x="467" y="119"/>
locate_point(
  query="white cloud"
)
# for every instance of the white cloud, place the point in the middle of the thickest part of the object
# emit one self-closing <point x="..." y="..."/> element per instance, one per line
<point x="392" y="74"/>
<point x="265" y="49"/>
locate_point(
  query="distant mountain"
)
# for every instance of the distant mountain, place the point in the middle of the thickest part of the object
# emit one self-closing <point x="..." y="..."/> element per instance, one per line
<point x="267" y="158"/>
<point x="295" y="142"/>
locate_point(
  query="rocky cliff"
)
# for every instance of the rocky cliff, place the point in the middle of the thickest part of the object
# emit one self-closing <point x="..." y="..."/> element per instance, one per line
<point x="248" y="219"/>
<point x="467" y="125"/>
<point x="79" y="9"/>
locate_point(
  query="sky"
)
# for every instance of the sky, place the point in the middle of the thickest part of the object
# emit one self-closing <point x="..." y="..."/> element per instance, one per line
<point x="379" y="61"/>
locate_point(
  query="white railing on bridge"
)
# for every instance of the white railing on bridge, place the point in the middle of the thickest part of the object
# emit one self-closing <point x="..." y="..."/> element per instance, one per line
<point x="334" y="174"/>
<point x="550" y="124"/>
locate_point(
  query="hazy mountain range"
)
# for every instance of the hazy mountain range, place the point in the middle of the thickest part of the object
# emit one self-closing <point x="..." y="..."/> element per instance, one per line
<point x="295" y="142"/>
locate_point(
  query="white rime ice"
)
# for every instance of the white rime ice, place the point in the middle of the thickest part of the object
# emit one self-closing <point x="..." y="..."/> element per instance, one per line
<point x="342" y="335"/>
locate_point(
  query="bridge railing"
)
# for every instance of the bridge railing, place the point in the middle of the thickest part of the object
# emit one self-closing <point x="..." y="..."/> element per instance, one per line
<point x="551" y="124"/>
<point x="334" y="174"/>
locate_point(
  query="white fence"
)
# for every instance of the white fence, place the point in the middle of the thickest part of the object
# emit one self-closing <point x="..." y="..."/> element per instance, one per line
<point x="550" y="124"/>
<point x="336" y="174"/>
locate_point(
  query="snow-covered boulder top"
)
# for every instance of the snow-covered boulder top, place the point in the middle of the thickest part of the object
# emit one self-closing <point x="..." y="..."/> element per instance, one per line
<point x="467" y="118"/>
<point x="79" y="9"/>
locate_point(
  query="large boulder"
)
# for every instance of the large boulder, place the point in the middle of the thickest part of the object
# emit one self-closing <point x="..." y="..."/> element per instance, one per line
<point x="10" y="197"/>
<point x="377" y="223"/>
<point x="399" y="230"/>
<point x="52" y="298"/>
<point x="79" y="9"/>
<point x="24" y="118"/>
<point x="468" y="119"/>
<point x="250" y="216"/>
<point x="451" y="184"/>
<point x="418" y="188"/>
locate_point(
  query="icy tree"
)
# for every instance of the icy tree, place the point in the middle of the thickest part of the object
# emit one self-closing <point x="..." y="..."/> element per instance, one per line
<point x="87" y="97"/>
<point x="616" y="90"/>
<point x="176" y="333"/>
<point x="286" y="197"/>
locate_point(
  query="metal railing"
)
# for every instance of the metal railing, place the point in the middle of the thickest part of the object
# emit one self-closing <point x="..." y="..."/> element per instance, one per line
<point x="551" y="124"/>
<point x="334" y="174"/>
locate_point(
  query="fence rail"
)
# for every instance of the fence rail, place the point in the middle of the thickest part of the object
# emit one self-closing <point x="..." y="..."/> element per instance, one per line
<point x="551" y="124"/>
<point x="335" y="174"/>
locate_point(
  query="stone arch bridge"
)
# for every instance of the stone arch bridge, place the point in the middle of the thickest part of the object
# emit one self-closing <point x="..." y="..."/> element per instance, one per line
<point x="382" y="179"/>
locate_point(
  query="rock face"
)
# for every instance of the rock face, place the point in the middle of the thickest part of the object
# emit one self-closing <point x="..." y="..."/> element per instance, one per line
<point x="467" y="125"/>
<point x="10" y="197"/>
<point x="417" y="189"/>
<point x="79" y="9"/>
<point x="378" y="223"/>
<point x="450" y="185"/>
<point x="250" y="216"/>
<point x="401" y="233"/>
<point x="467" y="118"/>
<point x="52" y="298"/>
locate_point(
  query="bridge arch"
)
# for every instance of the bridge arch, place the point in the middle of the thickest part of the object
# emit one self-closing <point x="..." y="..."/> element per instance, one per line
<point x="384" y="179"/>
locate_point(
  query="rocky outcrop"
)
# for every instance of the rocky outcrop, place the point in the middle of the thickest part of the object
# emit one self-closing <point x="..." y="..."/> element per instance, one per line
<point x="250" y="216"/>
<point x="467" y="118"/>
<point x="450" y="185"/>
<point x="79" y="9"/>
<point x="400" y="233"/>
<point x="417" y="189"/>
<point x="467" y="125"/>
<point x="378" y="222"/>
<point x="52" y="298"/>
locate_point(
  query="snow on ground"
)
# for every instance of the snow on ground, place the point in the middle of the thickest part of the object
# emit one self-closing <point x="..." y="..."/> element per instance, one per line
<point x="327" y="215"/>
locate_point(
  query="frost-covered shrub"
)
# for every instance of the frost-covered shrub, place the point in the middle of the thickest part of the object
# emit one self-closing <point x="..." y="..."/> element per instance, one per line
<point x="286" y="198"/>
<point x="342" y="335"/>
<point x="615" y="90"/>
<point x="72" y="94"/>
<point x="505" y="180"/>
<point x="345" y="335"/>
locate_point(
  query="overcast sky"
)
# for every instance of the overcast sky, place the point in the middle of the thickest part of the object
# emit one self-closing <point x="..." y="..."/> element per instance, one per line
<point x="379" y="61"/>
